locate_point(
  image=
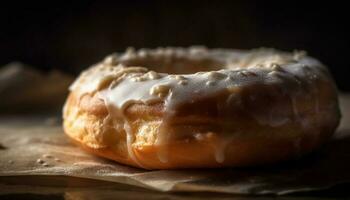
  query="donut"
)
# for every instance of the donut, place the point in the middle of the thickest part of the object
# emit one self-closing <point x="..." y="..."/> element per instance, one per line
<point x="172" y="108"/>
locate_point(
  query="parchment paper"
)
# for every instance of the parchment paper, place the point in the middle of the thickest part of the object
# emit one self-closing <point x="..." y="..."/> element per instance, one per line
<point x="37" y="146"/>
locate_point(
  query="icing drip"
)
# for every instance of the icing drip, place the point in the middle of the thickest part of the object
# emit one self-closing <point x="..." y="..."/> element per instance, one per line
<point x="120" y="84"/>
<point x="295" y="108"/>
<point x="164" y="134"/>
<point x="115" y="113"/>
<point x="221" y="148"/>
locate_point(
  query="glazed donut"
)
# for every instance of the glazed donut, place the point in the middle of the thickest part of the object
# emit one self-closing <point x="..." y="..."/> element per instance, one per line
<point x="170" y="108"/>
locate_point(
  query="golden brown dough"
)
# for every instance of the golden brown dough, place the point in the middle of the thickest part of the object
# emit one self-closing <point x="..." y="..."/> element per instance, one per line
<point x="264" y="106"/>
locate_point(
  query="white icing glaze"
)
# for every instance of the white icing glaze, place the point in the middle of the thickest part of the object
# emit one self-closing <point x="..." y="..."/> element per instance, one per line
<point x="121" y="85"/>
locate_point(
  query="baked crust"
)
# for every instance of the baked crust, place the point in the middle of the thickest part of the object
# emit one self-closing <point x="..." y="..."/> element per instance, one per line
<point x="201" y="135"/>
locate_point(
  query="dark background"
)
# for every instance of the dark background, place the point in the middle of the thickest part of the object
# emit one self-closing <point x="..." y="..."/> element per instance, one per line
<point x="71" y="36"/>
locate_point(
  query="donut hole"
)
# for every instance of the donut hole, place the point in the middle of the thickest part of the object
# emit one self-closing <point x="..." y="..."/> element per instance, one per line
<point x="176" y="65"/>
